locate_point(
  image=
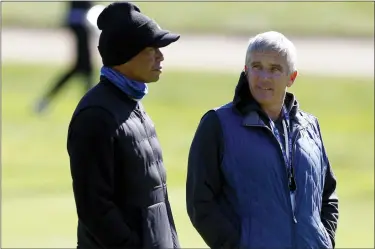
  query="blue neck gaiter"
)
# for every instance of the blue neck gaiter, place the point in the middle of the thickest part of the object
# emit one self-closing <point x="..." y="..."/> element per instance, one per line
<point x="134" y="89"/>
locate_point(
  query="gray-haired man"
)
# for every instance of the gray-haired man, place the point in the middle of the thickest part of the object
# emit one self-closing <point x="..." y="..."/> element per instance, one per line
<point x="258" y="172"/>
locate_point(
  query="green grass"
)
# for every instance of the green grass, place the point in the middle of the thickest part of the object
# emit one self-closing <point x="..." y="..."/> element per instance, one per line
<point x="38" y="207"/>
<point x="244" y="18"/>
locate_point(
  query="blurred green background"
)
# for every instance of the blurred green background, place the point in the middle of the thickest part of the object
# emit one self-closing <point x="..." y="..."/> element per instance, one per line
<point x="240" y="18"/>
<point x="37" y="203"/>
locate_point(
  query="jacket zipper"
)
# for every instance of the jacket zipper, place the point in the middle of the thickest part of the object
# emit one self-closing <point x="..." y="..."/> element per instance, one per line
<point x="141" y="117"/>
<point x="287" y="180"/>
<point x="294" y="172"/>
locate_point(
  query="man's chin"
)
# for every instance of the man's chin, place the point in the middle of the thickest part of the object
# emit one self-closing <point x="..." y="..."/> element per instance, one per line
<point x="153" y="79"/>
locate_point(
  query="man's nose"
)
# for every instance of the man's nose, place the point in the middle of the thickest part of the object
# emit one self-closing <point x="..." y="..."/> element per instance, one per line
<point x="264" y="74"/>
<point x="159" y="55"/>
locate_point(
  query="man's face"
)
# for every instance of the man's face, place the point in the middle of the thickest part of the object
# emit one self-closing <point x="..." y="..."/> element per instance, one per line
<point x="145" y="66"/>
<point x="268" y="77"/>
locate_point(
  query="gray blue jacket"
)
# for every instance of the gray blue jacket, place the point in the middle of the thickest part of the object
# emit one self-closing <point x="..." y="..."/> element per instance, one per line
<point x="237" y="189"/>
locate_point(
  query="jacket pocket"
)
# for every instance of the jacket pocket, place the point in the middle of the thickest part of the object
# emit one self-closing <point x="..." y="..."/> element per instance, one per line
<point x="156" y="228"/>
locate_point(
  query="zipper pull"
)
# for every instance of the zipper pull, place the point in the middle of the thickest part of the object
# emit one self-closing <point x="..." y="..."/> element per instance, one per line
<point x="294" y="219"/>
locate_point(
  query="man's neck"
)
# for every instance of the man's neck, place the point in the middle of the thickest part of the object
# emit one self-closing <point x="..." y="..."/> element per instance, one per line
<point x="273" y="112"/>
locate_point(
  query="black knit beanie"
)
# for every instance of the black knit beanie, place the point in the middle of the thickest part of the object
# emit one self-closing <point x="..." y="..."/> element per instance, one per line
<point x="126" y="32"/>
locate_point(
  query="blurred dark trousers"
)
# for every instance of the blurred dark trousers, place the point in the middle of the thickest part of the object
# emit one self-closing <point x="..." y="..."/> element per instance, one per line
<point x="83" y="63"/>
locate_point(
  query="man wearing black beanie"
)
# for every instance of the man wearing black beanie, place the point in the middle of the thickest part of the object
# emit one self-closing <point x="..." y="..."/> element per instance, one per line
<point x="119" y="179"/>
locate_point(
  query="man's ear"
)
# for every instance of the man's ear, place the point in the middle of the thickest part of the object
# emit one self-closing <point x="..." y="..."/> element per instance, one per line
<point x="293" y="77"/>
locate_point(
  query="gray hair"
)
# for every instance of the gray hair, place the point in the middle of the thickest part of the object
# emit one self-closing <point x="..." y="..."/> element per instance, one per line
<point x="273" y="41"/>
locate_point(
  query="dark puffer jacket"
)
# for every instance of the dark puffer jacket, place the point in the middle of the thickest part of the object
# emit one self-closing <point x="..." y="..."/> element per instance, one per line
<point x="119" y="179"/>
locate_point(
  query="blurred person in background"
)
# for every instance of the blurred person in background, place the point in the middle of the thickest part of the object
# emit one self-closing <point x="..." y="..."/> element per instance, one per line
<point x="116" y="162"/>
<point x="258" y="172"/>
<point x="78" y="25"/>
